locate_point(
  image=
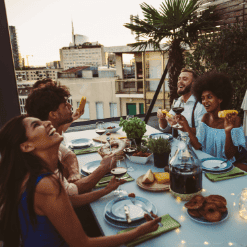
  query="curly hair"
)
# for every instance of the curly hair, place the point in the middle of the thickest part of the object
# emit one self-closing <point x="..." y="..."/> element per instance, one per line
<point x="45" y="81"/>
<point x="218" y="83"/>
<point x="44" y="100"/>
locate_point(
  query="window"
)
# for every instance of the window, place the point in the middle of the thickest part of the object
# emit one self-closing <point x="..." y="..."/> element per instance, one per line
<point x="113" y="109"/>
<point x="71" y="102"/>
<point x="86" y="114"/>
<point x="99" y="110"/>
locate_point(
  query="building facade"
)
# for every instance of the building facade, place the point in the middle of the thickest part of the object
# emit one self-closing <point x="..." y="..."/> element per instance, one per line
<point x="36" y="74"/>
<point x="82" y="55"/>
<point x="14" y="45"/>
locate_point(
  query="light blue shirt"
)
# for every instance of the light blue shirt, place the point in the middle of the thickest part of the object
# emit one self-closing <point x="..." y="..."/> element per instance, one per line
<point x="213" y="140"/>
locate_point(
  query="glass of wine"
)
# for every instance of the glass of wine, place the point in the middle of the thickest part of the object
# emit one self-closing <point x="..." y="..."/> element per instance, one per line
<point x="118" y="172"/>
<point x="100" y="130"/>
<point x="178" y="108"/>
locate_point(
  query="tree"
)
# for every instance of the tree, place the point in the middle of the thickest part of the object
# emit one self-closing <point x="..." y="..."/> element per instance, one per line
<point x="224" y="51"/>
<point x="180" y="23"/>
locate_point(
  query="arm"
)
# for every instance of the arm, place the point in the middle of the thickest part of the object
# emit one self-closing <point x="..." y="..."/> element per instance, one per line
<point x="231" y="121"/>
<point x="83" y="199"/>
<point x="70" y="164"/>
<point x="87" y="183"/>
<point x="57" y="207"/>
<point x="191" y="131"/>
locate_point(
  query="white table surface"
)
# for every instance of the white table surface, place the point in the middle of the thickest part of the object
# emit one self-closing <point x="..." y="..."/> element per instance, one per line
<point x="231" y="232"/>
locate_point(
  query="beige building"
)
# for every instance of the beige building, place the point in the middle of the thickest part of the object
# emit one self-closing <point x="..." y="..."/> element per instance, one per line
<point x="135" y="95"/>
<point x="82" y="55"/>
<point x="33" y="74"/>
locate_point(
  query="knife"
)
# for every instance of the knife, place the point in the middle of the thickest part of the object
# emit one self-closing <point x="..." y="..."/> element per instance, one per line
<point x="127" y="213"/>
<point x="232" y="175"/>
<point x="107" y="181"/>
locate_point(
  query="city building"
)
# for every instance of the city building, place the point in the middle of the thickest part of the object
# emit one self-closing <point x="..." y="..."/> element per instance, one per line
<point x="82" y="55"/>
<point x="53" y="65"/>
<point x="135" y="94"/>
<point x="31" y="74"/>
<point x="14" y="45"/>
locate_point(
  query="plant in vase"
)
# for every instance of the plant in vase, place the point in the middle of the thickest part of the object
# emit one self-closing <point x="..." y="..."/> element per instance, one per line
<point x="161" y="149"/>
<point x="134" y="128"/>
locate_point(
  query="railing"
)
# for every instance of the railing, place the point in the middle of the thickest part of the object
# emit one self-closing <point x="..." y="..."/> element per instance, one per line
<point x="129" y="86"/>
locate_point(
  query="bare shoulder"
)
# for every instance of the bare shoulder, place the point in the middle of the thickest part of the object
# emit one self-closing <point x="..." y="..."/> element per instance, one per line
<point x="205" y="118"/>
<point x="48" y="185"/>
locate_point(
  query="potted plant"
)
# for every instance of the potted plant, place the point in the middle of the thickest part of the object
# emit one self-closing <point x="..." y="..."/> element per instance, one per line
<point x="134" y="128"/>
<point x="161" y="149"/>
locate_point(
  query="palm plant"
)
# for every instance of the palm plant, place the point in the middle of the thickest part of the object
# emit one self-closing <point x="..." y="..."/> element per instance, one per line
<point x="179" y="22"/>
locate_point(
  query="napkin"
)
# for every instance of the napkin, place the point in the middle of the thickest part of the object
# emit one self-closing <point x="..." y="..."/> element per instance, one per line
<point x="219" y="177"/>
<point x="127" y="177"/>
<point x="168" y="224"/>
<point x="86" y="150"/>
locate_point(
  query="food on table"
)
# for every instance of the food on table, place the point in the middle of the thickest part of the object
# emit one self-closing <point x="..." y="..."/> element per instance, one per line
<point x="117" y="147"/>
<point x="111" y="127"/>
<point x="141" y="154"/>
<point x="147" y="217"/>
<point x="167" y="113"/>
<point x="108" y="133"/>
<point x="162" y="177"/>
<point x="122" y="137"/>
<point x="148" y="178"/>
<point x="129" y="150"/>
<point x="211" y="207"/>
<point x="132" y="195"/>
<point x="195" y="202"/>
<point x="222" y="114"/>
<point x="82" y="103"/>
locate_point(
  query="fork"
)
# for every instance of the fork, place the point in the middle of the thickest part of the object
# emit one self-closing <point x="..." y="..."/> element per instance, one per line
<point x="108" y="140"/>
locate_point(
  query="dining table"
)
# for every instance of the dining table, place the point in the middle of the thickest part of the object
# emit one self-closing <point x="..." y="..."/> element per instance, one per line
<point x="230" y="232"/>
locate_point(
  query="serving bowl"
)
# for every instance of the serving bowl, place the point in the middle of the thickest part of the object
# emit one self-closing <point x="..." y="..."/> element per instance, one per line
<point x="115" y="127"/>
<point x="138" y="159"/>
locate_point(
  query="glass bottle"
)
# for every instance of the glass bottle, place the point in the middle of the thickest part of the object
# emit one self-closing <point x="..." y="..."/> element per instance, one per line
<point x="185" y="171"/>
<point x="243" y="204"/>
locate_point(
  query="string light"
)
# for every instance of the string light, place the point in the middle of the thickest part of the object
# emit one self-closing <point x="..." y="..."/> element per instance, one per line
<point x="206" y="243"/>
<point x="183" y="242"/>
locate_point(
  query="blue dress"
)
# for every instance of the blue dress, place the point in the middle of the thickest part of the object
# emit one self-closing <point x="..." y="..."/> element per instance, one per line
<point x="213" y="140"/>
<point x="42" y="234"/>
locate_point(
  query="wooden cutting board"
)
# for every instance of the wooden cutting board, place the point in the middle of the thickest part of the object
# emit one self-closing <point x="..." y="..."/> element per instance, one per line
<point x="103" y="137"/>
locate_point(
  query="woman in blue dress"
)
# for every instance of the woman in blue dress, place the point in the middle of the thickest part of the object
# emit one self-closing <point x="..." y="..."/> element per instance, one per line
<point x="219" y="137"/>
<point x="35" y="209"/>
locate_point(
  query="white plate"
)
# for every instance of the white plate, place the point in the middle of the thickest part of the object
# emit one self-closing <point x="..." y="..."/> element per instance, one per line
<point x="80" y="143"/>
<point x="91" y="166"/>
<point x="202" y="220"/>
<point x="216" y="165"/>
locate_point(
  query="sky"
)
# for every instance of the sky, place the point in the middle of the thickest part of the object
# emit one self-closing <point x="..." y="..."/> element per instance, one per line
<point x="44" y="26"/>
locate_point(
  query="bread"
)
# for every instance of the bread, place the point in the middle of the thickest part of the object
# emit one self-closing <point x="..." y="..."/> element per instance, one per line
<point x="162" y="177"/>
<point x="222" y="114"/>
<point x="82" y="103"/>
<point x="166" y="113"/>
<point x="148" y="178"/>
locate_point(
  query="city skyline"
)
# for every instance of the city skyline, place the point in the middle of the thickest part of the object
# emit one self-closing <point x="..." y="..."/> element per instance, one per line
<point x="43" y="27"/>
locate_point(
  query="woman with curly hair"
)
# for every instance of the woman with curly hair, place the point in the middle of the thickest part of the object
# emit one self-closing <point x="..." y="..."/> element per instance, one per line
<point x="35" y="209"/>
<point x="219" y="137"/>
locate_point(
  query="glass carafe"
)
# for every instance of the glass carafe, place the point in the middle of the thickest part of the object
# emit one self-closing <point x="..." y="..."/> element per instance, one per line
<point x="185" y="171"/>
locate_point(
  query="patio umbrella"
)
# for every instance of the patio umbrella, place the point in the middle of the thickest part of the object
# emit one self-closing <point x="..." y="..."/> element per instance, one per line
<point x="244" y="107"/>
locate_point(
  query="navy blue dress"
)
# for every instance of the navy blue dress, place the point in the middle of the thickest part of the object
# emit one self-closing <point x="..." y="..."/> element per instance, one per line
<point x="42" y="234"/>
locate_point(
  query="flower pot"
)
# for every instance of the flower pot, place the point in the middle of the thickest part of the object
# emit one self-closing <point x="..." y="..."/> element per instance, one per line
<point x="138" y="141"/>
<point x="161" y="160"/>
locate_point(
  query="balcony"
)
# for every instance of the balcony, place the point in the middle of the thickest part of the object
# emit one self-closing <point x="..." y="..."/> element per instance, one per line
<point x="129" y="86"/>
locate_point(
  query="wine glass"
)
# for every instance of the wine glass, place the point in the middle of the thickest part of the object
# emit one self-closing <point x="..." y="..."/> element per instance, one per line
<point x="118" y="172"/>
<point x="178" y="108"/>
<point x="100" y="130"/>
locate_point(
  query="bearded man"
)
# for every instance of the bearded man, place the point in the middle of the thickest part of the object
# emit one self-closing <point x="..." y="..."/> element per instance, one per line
<point x="193" y="110"/>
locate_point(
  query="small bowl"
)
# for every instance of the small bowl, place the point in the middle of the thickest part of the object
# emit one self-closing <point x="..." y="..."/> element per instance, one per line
<point x="138" y="159"/>
<point x="115" y="127"/>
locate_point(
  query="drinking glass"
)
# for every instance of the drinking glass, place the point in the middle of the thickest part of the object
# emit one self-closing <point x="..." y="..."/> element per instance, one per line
<point x="119" y="171"/>
<point x="129" y="116"/>
<point x="178" y="108"/>
<point x="100" y="130"/>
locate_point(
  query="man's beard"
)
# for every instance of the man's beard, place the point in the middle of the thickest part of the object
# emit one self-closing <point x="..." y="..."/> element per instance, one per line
<point x="186" y="89"/>
<point x="65" y="121"/>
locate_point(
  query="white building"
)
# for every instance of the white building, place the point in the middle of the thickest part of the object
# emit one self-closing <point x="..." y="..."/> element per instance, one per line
<point x="82" y="55"/>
